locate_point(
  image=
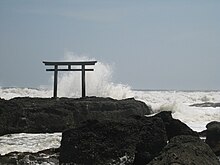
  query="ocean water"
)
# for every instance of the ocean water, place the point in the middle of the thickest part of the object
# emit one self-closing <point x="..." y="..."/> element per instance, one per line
<point x="100" y="84"/>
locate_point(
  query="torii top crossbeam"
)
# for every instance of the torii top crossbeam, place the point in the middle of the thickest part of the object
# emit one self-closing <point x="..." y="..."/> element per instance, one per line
<point x="69" y="68"/>
<point x="70" y="63"/>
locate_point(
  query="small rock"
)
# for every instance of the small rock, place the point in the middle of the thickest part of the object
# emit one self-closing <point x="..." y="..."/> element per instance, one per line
<point x="186" y="149"/>
<point x="213" y="136"/>
<point x="175" y="127"/>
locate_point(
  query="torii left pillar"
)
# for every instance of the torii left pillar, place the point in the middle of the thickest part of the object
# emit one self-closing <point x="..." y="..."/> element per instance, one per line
<point x="69" y="68"/>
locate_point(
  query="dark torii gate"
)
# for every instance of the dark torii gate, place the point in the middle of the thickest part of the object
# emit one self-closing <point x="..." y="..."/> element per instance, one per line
<point x="69" y="68"/>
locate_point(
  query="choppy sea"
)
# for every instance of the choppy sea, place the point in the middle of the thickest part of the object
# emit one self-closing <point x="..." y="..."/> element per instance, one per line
<point x="176" y="101"/>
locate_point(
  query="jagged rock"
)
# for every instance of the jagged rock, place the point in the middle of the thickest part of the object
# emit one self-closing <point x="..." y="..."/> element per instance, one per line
<point x="41" y="115"/>
<point x="186" y="150"/>
<point x="105" y="142"/>
<point x="206" y="104"/>
<point x="213" y="136"/>
<point x="175" y="127"/>
<point x="202" y="134"/>
<point x="49" y="156"/>
<point x="145" y="150"/>
<point x="10" y="113"/>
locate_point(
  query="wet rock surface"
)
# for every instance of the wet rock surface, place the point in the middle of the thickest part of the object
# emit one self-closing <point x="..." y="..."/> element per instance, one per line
<point x="213" y="136"/>
<point x="41" y="115"/>
<point x="105" y="131"/>
<point x="175" y="127"/>
<point x="138" y="139"/>
<point x="49" y="156"/>
<point x="207" y="104"/>
<point x="186" y="149"/>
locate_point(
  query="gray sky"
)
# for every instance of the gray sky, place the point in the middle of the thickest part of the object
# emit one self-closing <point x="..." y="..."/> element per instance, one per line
<point x="153" y="44"/>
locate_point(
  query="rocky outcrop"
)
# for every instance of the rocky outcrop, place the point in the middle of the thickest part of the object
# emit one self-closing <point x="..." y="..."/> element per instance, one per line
<point x="137" y="139"/>
<point x="186" y="149"/>
<point x="105" y="131"/>
<point x="206" y="104"/>
<point x="175" y="127"/>
<point x="143" y="139"/>
<point x="41" y="115"/>
<point x="49" y="156"/>
<point x="213" y="136"/>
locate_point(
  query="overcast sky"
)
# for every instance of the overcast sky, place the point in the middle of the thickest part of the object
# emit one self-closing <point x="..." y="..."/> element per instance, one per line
<point x="153" y="44"/>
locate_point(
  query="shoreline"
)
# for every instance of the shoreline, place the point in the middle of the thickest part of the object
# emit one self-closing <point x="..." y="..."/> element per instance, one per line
<point x="115" y="127"/>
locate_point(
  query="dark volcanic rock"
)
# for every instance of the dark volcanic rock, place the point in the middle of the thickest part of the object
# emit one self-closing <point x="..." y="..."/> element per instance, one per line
<point x="202" y="134"/>
<point x="49" y="156"/>
<point x="10" y="114"/>
<point x="213" y="136"/>
<point x="175" y="127"/>
<point x="54" y="115"/>
<point x="186" y="150"/>
<point x="105" y="142"/>
<point x="206" y="104"/>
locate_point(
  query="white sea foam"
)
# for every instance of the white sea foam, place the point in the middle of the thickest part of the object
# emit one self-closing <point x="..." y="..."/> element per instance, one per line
<point x="179" y="103"/>
<point x="28" y="142"/>
<point x="98" y="83"/>
<point x="8" y="93"/>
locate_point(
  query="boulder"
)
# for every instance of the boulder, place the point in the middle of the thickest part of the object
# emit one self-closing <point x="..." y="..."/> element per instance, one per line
<point x="213" y="136"/>
<point x="175" y="127"/>
<point x="42" y="115"/>
<point x="113" y="142"/>
<point x="186" y="149"/>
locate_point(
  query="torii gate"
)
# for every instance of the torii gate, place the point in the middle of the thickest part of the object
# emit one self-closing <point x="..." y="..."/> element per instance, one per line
<point x="69" y="65"/>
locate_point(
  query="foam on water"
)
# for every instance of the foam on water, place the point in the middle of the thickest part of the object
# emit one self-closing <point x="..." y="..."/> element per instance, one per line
<point x="8" y="93"/>
<point x="24" y="142"/>
<point x="179" y="103"/>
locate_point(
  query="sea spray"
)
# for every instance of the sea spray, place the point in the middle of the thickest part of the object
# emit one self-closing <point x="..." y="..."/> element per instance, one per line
<point x="98" y="83"/>
<point x="178" y="102"/>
